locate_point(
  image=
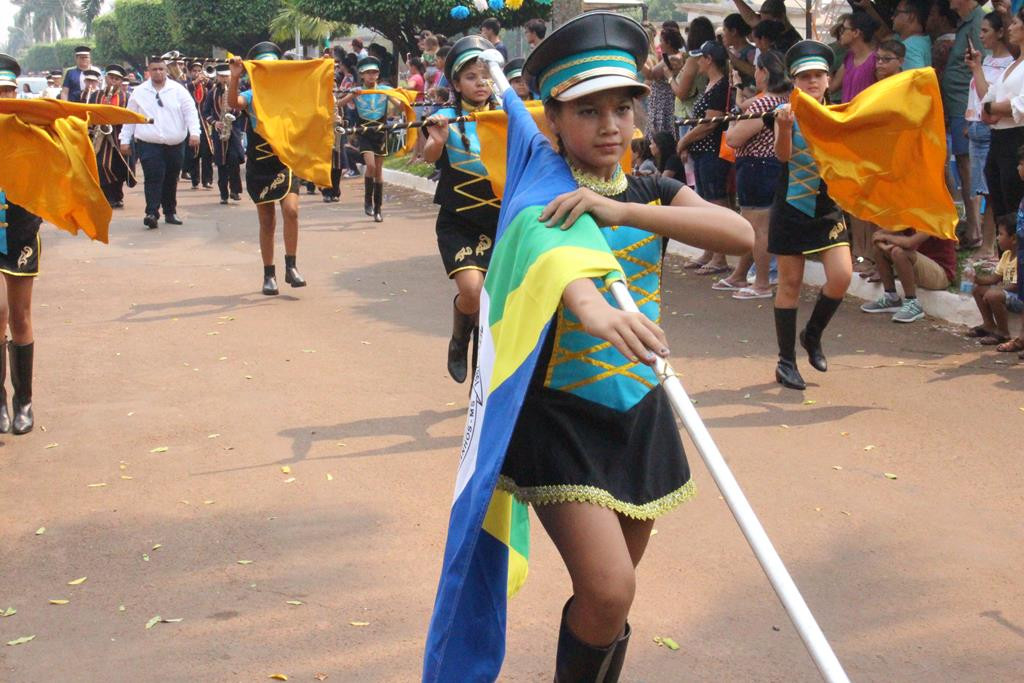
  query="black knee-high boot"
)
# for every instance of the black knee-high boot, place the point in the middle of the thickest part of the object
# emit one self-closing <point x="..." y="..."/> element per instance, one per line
<point x="810" y="337"/>
<point x="5" y="415"/>
<point x="21" y="380"/>
<point x="378" y="201"/>
<point x="579" y="662"/>
<point x="786" y="373"/>
<point x="368" y="196"/>
<point x="269" y="280"/>
<point x="458" y="346"/>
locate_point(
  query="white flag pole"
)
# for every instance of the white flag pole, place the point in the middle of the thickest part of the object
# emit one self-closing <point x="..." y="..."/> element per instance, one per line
<point x="814" y="640"/>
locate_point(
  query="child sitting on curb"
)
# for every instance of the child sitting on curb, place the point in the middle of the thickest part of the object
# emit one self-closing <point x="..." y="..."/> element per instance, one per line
<point x="996" y="292"/>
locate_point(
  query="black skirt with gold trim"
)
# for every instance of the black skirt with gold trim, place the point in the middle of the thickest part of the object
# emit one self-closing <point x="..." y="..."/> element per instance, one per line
<point x="267" y="179"/>
<point x="23" y="243"/>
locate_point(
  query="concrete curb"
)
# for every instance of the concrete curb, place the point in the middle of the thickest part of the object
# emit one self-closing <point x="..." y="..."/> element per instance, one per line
<point x="954" y="308"/>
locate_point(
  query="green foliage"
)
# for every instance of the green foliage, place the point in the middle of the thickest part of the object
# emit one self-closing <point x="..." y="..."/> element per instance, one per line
<point x="88" y="11"/>
<point x="663" y="10"/>
<point x="108" y="44"/>
<point x="141" y="27"/>
<point x="400" y="20"/>
<point x="235" y="25"/>
<point x="311" y="29"/>
<point x="60" y="54"/>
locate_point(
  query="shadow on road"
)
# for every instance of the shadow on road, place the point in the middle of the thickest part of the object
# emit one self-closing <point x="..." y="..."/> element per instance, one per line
<point x="197" y="306"/>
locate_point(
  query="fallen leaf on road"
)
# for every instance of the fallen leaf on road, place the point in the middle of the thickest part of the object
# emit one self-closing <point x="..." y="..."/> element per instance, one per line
<point x="817" y="509"/>
<point x="209" y="502"/>
<point x="172" y="621"/>
<point x="51" y="445"/>
<point x="278" y="677"/>
<point x="285" y="469"/>
<point x="366" y="342"/>
<point x="844" y="433"/>
<point x="158" y="545"/>
<point x="359" y="623"/>
<point x="810" y="402"/>
<point x="289" y="480"/>
<point x="212" y="436"/>
<point x="450" y="403"/>
<point x="59" y="602"/>
<point x="869" y="447"/>
<point x="131" y="413"/>
<point x="295" y="602"/>
<point x="340" y="444"/>
<point x="330" y="477"/>
<point x="837" y="467"/>
<point x="97" y="485"/>
<point x="21" y="641"/>
<point x="670" y="644"/>
<point x="890" y="475"/>
<point x="844" y="512"/>
<point x="784" y="426"/>
<point x="309" y="350"/>
<point x="153" y="622"/>
<point x="320" y="677"/>
<point x="145" y="557"/>
<point x="245" y="562"/>
<point x="746" y="395"/>
<point x="120" y="608"/>
<point x="9" y="612"/>
<point x="159" y="449"/>
<point x="40" y="531"/>
<point x="78" y="582"/>
<point x="248" y="376"/>
<point x="126" y="477"/>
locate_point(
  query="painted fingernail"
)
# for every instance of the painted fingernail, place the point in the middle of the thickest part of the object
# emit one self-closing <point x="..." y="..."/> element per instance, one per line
<point x="650" y="358"/>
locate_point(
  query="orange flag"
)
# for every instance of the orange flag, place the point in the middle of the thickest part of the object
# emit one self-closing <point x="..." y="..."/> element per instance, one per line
<point x="404" y="98"/>
<point x="49" y="162"/>
<point x="294" y="103"/>
<point x="883" y="154"/>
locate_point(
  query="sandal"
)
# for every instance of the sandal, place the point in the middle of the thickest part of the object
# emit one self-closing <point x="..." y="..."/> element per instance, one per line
<point x="1013" y="346"/>
<point x="995" y="340"/>
<point x="708" y="269"/>
<point x="751" y="293"/>
<point x="978" y="332"/>
<point x="694" y="264"/>
<point x="724" y="285"/>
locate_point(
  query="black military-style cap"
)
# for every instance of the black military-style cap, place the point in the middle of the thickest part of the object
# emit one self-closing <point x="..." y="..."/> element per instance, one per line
<point x="223" y="68"/>
<point x="514" y="69"/>
<point x="264" y="51"/>
<point x="368" y="64"/>
<point x="589" y="53"/>
<point x="116" y="70"/>
<point x="463" y="51"/>
<point x="809" y="55"/>
<point x="92" y="73"/>
<point x="83" y="50"/>
<point x="9" y="71"/>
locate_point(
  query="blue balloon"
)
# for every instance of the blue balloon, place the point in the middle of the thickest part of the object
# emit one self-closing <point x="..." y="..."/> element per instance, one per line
<point x="496" y="5"/>
<point x="460" y="12"/>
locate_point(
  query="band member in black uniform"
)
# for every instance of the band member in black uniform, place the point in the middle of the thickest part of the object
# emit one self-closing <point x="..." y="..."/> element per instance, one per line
<point x="373" y="145"/>
<point x="226" y="126"/>
<point x="91" y="78"/>
<point x="468" y="218"/>
<point x="333" y="193"/>
<point x="19" y="263"/>
<point x="113" y="167"/>
<point x="805" y="220"/>
<point x="267" y="179"/>
<point x="199" y="163"/>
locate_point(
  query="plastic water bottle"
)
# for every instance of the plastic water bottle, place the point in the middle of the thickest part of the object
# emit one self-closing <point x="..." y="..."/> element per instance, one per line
<point x="967" y="279"/>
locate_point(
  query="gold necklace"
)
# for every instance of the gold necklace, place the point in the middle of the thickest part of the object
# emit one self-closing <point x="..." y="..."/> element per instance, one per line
<point x="615" y="185"/>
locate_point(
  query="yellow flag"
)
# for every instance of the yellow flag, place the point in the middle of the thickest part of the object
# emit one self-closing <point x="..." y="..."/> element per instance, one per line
<point x="294" y="103"/>
<point x="49" y="164"/>
<point x="883" y="154"/>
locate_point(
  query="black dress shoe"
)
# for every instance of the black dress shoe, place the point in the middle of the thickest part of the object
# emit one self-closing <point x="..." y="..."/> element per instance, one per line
<point x="236" y="197"/>
<point x="292" y="277"/>
<point x="269" y="285"/>
<point x="207" y="186"/>
<point x="224" y="200"/>
<point x="150" y="221"/>
<point x="327" y="200"/>
<point x="378" y="217"/>
<point x="788" y="376"/>
<point x="335" y="198"/>
<point x="172" y="220"/>
<point x="117" y="205"/>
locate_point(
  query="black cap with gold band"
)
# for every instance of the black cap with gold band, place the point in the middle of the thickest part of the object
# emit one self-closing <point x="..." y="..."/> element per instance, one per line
<point x="463" y="51"/>
<point x="593" y="52"/>
<point x="116" y="70"/>
<point x="9" y="71"/>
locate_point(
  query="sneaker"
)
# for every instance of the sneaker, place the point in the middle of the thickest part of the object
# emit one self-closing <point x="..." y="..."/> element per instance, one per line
<point x="886" y="304"/>
<point x="909" y="312"/>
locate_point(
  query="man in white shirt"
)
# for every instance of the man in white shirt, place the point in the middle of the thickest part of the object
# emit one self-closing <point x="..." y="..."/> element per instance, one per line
<point x="160" y="145"/>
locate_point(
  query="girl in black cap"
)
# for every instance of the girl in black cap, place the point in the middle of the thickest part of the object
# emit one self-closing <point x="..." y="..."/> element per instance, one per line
<point x="19" y="264"/>
<point x="596" y="449"/>
<point x="468" y="218"/>
<point x="373" y="145"/>
<point x="805" y="220"/>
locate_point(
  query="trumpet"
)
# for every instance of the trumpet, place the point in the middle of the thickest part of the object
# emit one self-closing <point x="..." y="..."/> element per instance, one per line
<point x="99" y="133"/>
<point x="210" y="71"/>
<point x="227" y="119"/>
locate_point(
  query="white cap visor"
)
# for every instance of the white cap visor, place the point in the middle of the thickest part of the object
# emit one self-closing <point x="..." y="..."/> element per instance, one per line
<point x="599" y="83"/>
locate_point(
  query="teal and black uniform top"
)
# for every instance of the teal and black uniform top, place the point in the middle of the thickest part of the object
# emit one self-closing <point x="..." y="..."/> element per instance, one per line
<point x="374" y="106"/>
<point x="463" y="187"/>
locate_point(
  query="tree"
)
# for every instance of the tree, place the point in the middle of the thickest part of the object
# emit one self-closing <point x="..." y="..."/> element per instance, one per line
<point x="108" y="43"/>
<point x="141" y="27"/>
<point x="234" y="25"/>
<point x="88" y="10"/>
<point x="291" y="22"/>
<point x="46" y="20"/>
<point x="401" y="20"/>
<point x="564" y="10"/>
<point x="663" y="10"/>
<point x="44" y="56"/>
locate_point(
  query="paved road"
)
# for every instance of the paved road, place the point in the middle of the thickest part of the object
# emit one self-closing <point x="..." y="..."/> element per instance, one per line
<point x="171" y="396"/>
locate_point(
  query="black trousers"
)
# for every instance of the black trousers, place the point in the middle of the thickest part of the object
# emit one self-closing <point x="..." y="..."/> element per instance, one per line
<point x="201" y="165"/>
<point x="114" y="192"/>
<point x="161" y="165"/>
<point x="1005" y="187"/>
<point x="229" y="176"/>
